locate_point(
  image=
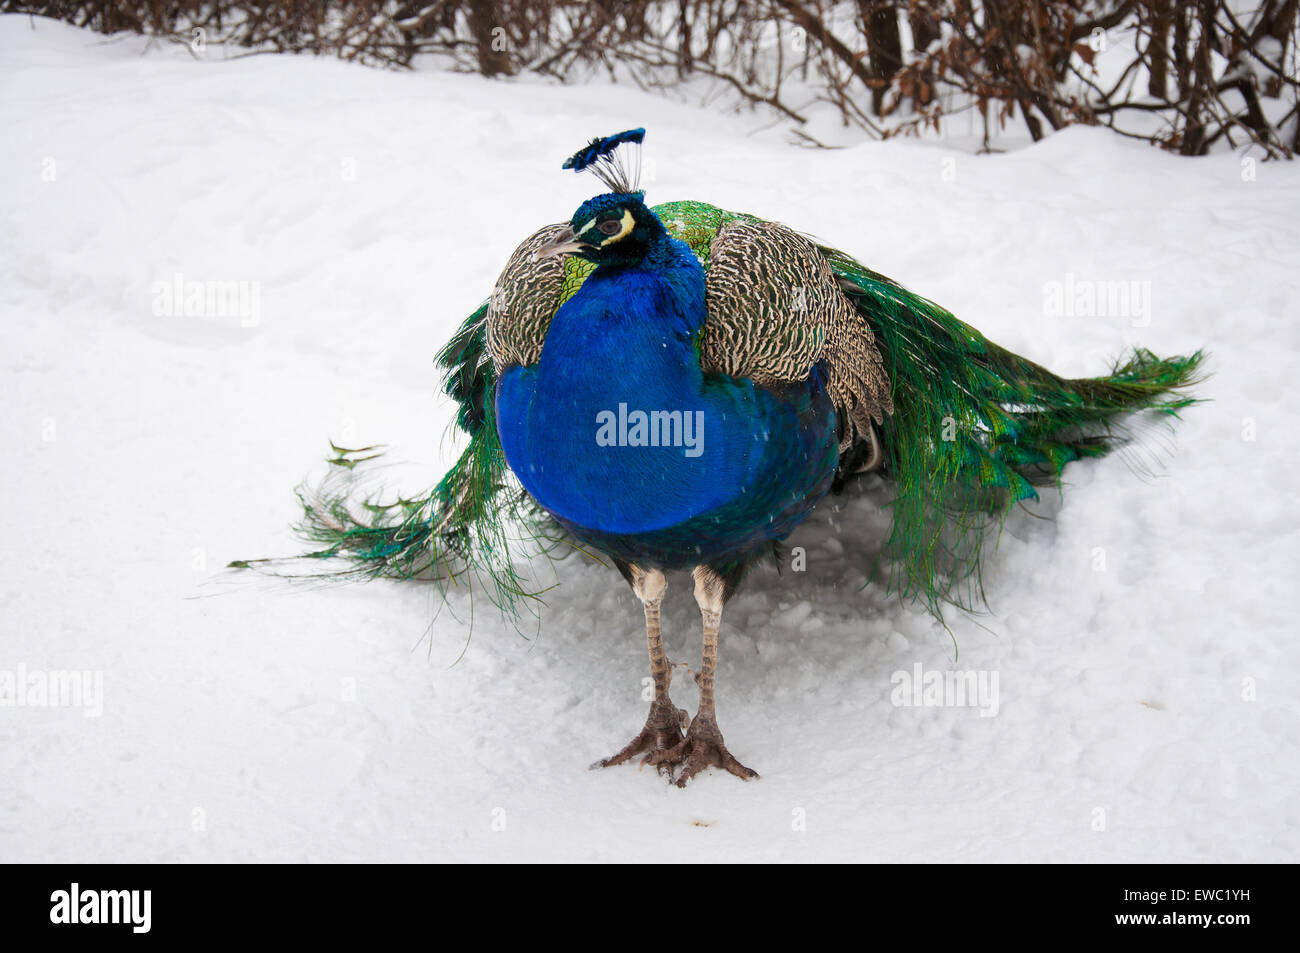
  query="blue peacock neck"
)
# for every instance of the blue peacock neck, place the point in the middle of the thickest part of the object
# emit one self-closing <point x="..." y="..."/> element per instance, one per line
<point x="623" y="347"/>
<point x="618" y="432"/>
<point x="640" y="318"/>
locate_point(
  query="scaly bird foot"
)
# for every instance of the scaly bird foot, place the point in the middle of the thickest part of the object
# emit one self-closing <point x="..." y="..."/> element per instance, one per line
<point x="703" y="746"/>
<point x="662" y="731"/>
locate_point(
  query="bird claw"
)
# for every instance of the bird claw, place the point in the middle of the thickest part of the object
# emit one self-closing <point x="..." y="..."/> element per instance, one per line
<point x="701" y="748"/>
<point x="662" y="731"/>
<point x="661" y="767"/>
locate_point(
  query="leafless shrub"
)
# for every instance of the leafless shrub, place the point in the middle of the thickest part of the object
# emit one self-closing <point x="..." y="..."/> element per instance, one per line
<point x="1183" y="75"/>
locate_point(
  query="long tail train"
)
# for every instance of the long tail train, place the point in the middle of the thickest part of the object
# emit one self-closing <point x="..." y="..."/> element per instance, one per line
<point x="468" y="530"/>
<point x="977" y="428"/>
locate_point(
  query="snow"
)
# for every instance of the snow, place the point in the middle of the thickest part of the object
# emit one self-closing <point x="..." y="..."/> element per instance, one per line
<point x="1142" y="639"/>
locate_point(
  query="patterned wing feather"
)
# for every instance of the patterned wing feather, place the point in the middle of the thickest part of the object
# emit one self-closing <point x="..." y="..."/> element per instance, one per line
<point x="776" y="309"/>
<point x="524" y="300"/>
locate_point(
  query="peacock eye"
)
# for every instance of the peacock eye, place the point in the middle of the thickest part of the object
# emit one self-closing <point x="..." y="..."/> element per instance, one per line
<point x="611" y="227"/>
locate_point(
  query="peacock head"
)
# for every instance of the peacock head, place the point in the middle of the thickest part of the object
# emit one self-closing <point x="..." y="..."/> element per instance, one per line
<point x="611" y="229"/>
<point x="615" y="228"/>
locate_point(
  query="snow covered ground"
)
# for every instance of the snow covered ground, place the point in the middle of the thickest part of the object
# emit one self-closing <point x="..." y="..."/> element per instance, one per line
<point x="1143" y="639"/>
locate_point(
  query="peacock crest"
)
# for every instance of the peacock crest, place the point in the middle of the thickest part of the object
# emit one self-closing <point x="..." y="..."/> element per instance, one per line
<point x="615" y="160"/>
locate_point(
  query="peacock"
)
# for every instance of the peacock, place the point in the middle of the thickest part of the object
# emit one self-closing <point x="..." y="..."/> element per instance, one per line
<point x="677" y="387"/>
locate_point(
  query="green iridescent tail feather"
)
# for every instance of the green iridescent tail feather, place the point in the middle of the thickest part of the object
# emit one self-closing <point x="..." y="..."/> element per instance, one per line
<point x="976" y="428"/>
<point x="468" y="530"/>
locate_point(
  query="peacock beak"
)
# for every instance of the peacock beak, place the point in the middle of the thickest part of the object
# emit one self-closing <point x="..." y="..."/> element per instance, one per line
<point x="564" y="243"/>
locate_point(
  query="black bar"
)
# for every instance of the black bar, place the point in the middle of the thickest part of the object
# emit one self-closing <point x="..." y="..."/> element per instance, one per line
<point x="212" y="902"/>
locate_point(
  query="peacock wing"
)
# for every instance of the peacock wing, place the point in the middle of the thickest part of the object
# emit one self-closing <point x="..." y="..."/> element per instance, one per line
<point x="526" y="297"/>
<point x="776" y="309"/>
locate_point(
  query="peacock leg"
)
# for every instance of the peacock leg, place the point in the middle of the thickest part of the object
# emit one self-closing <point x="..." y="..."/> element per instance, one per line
<point x="703" y="744"/>
<point x="663" y="726"/>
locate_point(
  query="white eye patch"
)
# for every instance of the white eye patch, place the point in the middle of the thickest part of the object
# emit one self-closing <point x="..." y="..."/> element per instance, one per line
<point x="625" y="228"/>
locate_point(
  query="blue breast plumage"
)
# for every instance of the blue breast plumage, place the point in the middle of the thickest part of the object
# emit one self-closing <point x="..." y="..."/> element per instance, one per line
<point x="619" y="433"/>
